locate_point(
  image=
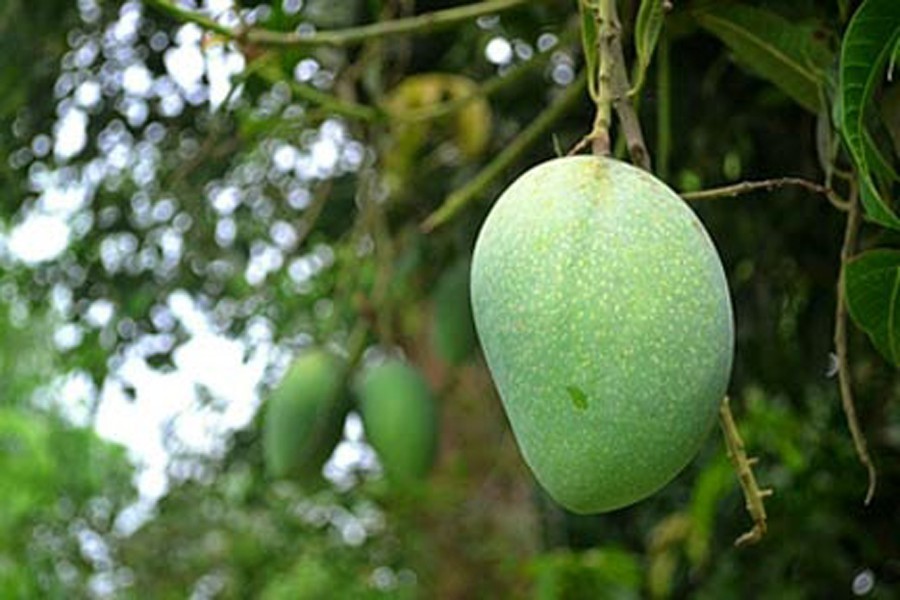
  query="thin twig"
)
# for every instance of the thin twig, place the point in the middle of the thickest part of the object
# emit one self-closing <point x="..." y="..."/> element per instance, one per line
<point x="840" y="344"/>
<point x="753" y="496"/>
<point x="607" y="30"/>
<point x="419" y="24"/>
<point x="313" y="211"/>
<point x="335" y="105"/>
<point x="613" y="93"/>
<point x="458" y="200"/>
<point x="628" y="119"/>
<point x="744" y="187"/>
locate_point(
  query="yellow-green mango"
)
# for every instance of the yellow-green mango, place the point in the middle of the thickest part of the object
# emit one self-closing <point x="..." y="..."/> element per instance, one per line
<point x="400" y="419"/>
<point x="305" y="415"/>
<point x="603" y="311"/>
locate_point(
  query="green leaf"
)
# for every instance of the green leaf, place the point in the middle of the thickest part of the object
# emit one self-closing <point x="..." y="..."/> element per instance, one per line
<point x="872" y="286"/>
<point x="879" y="164"/>
<point x="790" y="55"/>
<point x="868" y="43"/>
<point x="647" y="27"/>
<point x="589" y="44"/>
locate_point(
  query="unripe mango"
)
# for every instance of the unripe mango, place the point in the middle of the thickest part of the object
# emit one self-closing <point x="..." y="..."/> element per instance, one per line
<point x="400" y="419"/>
<point x="453" y="332"/>
<point x="305" y="416"/>
<point x="604" y="314"/>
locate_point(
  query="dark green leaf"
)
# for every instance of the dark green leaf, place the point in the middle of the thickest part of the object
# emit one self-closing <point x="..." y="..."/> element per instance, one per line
<point x="879" y="164"/>
<point x="868" y="43"/>
<point x="647" y="27"/>
<point x="792" y="56"/>
<point x="872" y="285"/>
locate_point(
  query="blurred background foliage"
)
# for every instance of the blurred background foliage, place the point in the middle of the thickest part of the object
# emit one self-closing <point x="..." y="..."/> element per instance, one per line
<point x="160" y="187"/>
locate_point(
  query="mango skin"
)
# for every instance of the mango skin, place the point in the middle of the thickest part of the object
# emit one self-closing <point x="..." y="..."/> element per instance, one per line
<point x="604" y="315"/>
<point x="400" y="419"/>
<point x="305" y="416"/>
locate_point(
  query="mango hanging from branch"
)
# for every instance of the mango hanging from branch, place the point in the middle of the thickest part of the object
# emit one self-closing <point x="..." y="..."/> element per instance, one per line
<point x="604" y="314"/>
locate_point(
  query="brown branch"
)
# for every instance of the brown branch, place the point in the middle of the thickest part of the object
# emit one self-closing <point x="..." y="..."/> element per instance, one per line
<point x="840" y="344"/>
<point x="628" y="119"/>
<point x="768" y="185"/>
<point x="607" y="30"/>
<point x="613" y="93"/>
<point x="419" y="24"/>
<point x="753" y="496"/>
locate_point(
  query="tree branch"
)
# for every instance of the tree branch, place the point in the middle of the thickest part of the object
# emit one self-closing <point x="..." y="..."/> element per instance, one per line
<point x="840" y="344"/>
<point x="613" y="92"/>
<point x="628" y="119"/>
<point x="420" y="24"/>
<point x="768" y="185"/>
<point x="753" y="496"/>
<point x="458" y="200"/>
<point x="607" y="30"/>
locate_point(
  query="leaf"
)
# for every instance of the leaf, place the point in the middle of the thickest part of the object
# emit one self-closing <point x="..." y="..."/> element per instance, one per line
<point x="868" y="43"/>
<point x="647" y="28"/>
<point x="791" y="56"/>
<point x="872" y="285"/>
<point x="879" y="163"/>
<point x="589" y="44"/>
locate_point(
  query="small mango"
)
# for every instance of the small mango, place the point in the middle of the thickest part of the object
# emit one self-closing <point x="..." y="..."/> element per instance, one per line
<point x="305" y="415"/>
<point x="400" y="419"/>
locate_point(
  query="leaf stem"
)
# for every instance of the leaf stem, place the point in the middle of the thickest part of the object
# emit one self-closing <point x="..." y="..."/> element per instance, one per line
<point x="419" y="24"/>
<point x="743" y="465"/>
<point x="460" y="198"/>
<point x="840" y="344"/>
<point x="744" y="187"/>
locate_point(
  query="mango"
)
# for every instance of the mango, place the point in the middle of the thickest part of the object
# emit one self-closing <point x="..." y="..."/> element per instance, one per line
<point x="304" y="417"/>
<point x="399" y="419"/>
<point x="604" y="314"/>
<point x="452" y="328"/>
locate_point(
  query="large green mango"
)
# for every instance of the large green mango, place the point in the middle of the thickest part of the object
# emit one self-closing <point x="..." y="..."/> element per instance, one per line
<point x="400" y="419"/>
<point x="604" y="315"/>
<point x="452" y="330"/>
<point x="305" y="416"/>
